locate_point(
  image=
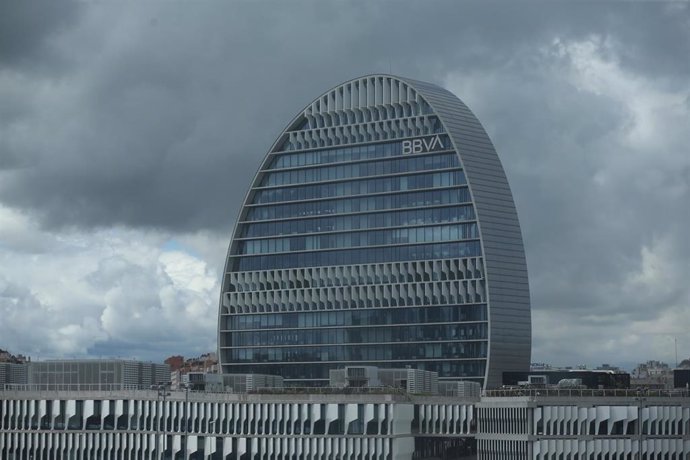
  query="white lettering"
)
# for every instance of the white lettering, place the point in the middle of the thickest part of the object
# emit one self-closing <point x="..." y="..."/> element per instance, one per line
<point x="406" y="147"/>
<point x="422" y="145"/>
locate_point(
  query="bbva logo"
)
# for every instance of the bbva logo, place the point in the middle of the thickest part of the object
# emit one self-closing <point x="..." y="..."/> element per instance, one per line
<point x="422" y="145"/>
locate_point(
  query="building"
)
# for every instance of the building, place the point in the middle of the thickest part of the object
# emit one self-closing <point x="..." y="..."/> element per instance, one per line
<point x="94" y="374"/>
<point x="251" y="383"/>
<point x="652" y="374"/>
<point x="380" y="230"/>
<point x="412" y="381"/>
<point x="681" y="378"/>
<point x="7" y="357"/>
<point x="587" y="378"/>
<point x="552" y="424"/>
<point x="463" y="389"/>
<point x="207" y="363"/>
<point x="11" y="373"/>
<point x="175" y="362"/>
<point x="200" y="381"/>
<point x="525" y="424"/>
<point x="193" y="425"/>
<point x="225" y="383"/>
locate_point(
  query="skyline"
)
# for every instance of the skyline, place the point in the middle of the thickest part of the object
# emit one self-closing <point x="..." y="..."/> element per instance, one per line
<point x="128" y="137"/>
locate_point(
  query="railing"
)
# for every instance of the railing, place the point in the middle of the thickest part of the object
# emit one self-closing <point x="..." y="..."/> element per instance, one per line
<point x="586" y="393"/>
<point x="121" y="388"/>
<point x="331" y="390"/>
<point x="107" y="387"/>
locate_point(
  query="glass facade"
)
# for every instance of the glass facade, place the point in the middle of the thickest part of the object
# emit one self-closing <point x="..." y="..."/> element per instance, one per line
<point x="373" y="202"/>
<point x="358" y="244"/>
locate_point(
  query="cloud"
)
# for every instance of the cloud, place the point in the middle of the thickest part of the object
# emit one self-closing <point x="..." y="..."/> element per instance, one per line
<point x="129" y="135"/>
<point x="146" y="122"/>
<point x="603" y="154"/>
<point x="639" y="319"/>
<point x="115" y="292"/>
<point x="27" y="30"/>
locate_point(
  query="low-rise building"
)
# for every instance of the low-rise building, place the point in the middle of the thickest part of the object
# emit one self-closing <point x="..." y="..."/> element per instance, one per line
<point x="593" y="379"/>
<point x="251" y="383"/>
<point x="228" y="383"/>
<point x="11" y="373"/>
<point x="463" y="389"/>
<point x="201" y="381"/>
<point x="92" y="374"/>
<point x="413" y="381"/>
<point x="653" y="374"/>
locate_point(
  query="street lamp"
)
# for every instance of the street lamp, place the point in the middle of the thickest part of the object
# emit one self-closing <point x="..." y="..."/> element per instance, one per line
<point x="640" y="400"/>
<point x="163" y="393"/>
<point x="185" y="386"/>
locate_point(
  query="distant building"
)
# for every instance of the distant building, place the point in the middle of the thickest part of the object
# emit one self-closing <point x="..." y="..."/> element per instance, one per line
<point x="539" y="366"/>
<point x="7" y="357"/>
<point x="589" y="378"/>
<point x="94" y="374"/>
<point x="651" y="368"/>
<point x="249" y="383"/>
<point x="652" y="374"/>
<point x="413" y="381"/>
<point x="464" y="389"/>
<point x="607" y="367"/>
<point x="230" y="383"/>
<point x="11" y="373"/>
<point x="208" y="362"/>
<point x="201" y="381"/>
<point x="179" y="367"/>
<point x="175" y="362"/>
<point x="175" y="379"/>
<point x="681" y="378"/>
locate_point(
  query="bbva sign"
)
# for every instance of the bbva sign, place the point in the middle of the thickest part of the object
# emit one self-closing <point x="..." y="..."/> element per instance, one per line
<point x="422" y="145"/>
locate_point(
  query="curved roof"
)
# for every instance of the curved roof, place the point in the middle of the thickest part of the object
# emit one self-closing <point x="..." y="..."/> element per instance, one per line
<point x="510" y="324"/>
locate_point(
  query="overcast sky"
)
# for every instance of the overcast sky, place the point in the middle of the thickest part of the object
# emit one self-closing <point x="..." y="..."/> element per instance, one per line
<point x="129" y="133"/>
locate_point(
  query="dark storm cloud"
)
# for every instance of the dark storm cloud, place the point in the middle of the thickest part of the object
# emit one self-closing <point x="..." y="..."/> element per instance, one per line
<point x="27" y="28"/>
<point x="166" y="115"/>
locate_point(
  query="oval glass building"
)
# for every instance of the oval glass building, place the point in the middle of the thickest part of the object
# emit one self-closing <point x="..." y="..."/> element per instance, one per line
<point x="380" y="230"/>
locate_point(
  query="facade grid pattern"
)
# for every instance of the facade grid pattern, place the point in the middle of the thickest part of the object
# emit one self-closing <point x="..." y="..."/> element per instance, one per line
<point x="366" y="201"/>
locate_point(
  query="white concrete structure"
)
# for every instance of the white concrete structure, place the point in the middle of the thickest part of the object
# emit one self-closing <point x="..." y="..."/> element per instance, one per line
<point x="536" y="424"/>
<point x="149" y="424"/>
<point x="584" y="424"/>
